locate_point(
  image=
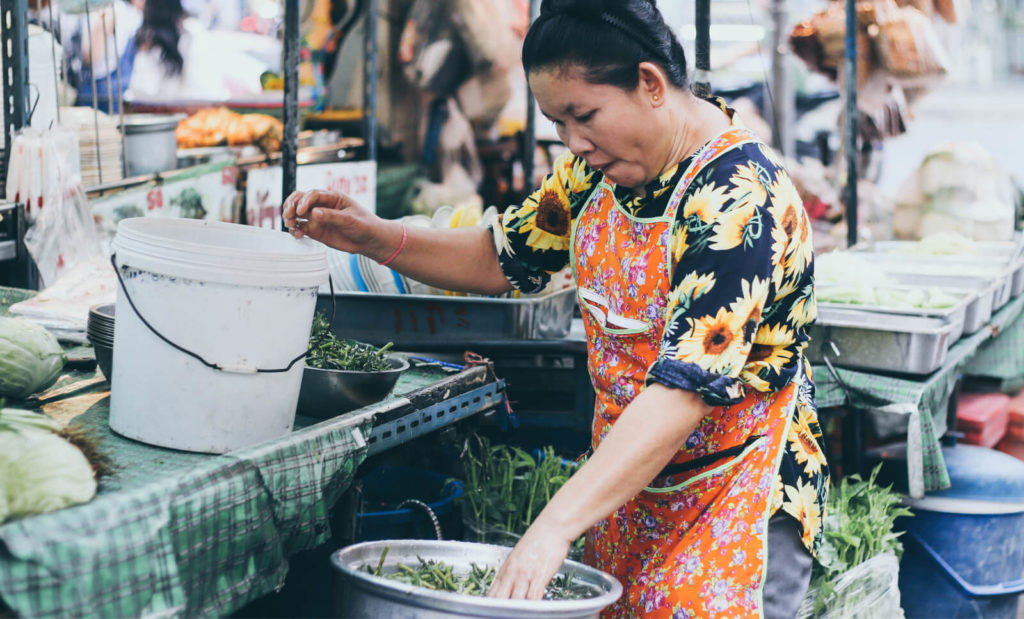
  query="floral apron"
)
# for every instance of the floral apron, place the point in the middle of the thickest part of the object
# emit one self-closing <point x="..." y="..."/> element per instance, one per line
<point x="693" y="544"/>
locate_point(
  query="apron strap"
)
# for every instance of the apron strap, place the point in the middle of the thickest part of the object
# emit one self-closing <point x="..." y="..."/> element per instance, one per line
<point x="736" y="135"/>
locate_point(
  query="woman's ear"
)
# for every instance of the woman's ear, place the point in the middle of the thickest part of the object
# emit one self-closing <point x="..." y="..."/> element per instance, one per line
<point x="653" y="83"/>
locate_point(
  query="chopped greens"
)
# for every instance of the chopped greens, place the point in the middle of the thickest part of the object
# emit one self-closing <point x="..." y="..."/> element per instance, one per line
<point x="328" y="352"/>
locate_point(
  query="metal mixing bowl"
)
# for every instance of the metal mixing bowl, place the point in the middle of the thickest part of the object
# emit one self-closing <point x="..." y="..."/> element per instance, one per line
<point x="328" y="393"/>
<point x="363" y="595"/>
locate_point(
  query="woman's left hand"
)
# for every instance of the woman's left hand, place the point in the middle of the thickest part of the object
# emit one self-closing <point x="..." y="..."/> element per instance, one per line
<point x="532" y="564"/>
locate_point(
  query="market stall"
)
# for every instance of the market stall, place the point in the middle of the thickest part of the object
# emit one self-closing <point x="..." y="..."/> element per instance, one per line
<point x="187" y="533"/>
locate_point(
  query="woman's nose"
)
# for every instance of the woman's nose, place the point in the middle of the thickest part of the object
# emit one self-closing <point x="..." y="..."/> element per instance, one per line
<point x="578" y="143"/>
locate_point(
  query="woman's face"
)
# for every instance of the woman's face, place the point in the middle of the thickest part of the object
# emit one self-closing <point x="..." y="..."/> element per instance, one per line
<point x="612" y="129"/>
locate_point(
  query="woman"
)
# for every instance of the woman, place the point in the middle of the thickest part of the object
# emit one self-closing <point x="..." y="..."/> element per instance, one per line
<point x="177" y="59"/>
<point x="692" y="257"/>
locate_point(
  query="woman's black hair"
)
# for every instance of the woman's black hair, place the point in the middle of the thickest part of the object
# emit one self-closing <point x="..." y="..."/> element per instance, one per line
<point x="608" y="39"/>
<point x="161" y="29"/>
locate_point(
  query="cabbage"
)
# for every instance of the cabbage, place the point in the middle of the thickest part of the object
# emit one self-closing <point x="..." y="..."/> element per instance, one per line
<point x="39" y="471"/>
<point x="30" y="358"/>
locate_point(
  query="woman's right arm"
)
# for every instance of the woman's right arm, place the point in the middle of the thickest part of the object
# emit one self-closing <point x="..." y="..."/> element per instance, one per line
<point x="461" y="259"/>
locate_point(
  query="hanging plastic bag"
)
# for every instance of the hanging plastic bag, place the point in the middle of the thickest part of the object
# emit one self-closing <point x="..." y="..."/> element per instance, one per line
<point x="44" y="179"/>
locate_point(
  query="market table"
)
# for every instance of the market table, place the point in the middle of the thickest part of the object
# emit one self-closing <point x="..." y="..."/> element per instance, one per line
<point x="920" y="404"/>
<point x="179" y="533"/>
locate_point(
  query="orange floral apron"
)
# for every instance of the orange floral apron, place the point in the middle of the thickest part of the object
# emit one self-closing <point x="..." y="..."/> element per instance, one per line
<point x="692" y="544"/>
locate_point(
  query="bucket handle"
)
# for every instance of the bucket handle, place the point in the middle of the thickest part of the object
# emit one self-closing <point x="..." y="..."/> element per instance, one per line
<point x="1013" y="587"/>
<point x="430" y="512"/>
<point x="200" y="359"/>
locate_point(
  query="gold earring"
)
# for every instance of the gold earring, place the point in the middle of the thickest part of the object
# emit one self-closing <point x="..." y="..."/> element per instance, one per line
<point x="656" y="97"/>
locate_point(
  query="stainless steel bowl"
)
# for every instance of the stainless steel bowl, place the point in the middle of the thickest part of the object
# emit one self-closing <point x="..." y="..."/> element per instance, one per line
<point x="363" y="595"/>
<point x="328" y="393"/>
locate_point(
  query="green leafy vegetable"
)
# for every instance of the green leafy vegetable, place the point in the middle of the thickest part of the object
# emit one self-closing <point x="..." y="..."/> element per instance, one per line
<point x="440" y="576"/>
<point x="331" y="353"/>
<point x="506" y="488"/>
<point x="30" y="358"/>
<point x="858" y="526"/>
<point x="39" y="470"/>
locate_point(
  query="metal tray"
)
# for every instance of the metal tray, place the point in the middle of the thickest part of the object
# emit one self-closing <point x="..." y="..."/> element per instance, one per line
<point x="883" y="342"/>
<point x="415" y="320"/>
<point x="955" y="315"/>
<point x="995" y="268"/>
<point x="979" y="309"/>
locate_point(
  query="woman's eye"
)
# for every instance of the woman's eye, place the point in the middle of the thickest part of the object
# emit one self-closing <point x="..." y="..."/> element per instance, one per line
<point x="586" y="117"/>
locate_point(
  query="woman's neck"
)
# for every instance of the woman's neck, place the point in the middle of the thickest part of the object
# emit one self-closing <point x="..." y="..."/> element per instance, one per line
<point x="692" y="122"/>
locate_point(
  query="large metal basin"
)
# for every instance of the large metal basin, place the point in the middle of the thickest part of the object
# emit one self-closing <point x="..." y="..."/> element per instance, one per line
<point x="363" y="595"/>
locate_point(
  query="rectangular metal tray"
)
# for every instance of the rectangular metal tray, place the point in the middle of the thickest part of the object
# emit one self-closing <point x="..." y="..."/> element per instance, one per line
<point x="880" y="342"/>
<point x="995" y="268"/>
<point x="979" y="309"/>
<point x="955" y="315"/>
<point x="415" y="320"/>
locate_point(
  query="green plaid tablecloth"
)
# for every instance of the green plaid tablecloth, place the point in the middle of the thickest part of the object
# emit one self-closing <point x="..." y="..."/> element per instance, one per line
<point x="186" y="534"/>
<point x="920" y="405"/>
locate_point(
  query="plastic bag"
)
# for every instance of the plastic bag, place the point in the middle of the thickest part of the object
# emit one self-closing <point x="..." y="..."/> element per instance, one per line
<point x="869" y="590"/>
<point x="44" y="178"/>
<point x="959" y="187"/>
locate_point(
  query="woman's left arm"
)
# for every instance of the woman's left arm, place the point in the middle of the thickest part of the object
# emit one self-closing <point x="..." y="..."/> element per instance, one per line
<point x="643" y="440"/>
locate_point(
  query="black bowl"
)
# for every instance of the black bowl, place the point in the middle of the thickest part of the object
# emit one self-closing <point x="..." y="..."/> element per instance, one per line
<point x="104" y="358"/>
<point x="329" y="393"/>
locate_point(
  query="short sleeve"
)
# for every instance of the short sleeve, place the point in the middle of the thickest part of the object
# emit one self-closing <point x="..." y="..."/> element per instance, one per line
<point x="533" y="238"/>
<point x="725" y="256"/>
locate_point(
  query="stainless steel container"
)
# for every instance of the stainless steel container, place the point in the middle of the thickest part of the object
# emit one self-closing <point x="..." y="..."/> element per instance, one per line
<point x="867" y="340"/>
<point x="363" y="595"/>
<point x="410" y="320"/>
<point x="329" y="393"/>
<point x="954" y="315"/>
<point x="150" y="145"/>
<point x="979" y="309"/>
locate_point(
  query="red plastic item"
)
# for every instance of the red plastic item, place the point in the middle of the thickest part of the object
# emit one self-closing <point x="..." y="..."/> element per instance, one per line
<point x="1013" y="441"/>
<point x="983" y="417"/>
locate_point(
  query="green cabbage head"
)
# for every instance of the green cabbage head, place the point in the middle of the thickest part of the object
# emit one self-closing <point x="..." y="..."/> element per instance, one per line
<point x="30" y="358"/>
<point x="39" y="470"/>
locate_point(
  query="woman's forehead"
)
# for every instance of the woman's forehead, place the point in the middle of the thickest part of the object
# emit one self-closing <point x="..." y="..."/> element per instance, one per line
<point x="564" y="91"/>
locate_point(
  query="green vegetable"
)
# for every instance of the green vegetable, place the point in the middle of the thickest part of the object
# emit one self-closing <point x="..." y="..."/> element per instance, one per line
<point x="39" y="470"/>
<point x="858" y="526"/>
<point x="30" y="358"/>
<point x="330" y="353"/>
<point x="440" y="576"/>
<point x="506" y="488"/>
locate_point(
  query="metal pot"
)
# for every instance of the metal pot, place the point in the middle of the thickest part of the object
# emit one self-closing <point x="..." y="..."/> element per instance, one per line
<point x="328" y="393"/>
<point x="363" y="595"/>
<point x="150" y="145"/>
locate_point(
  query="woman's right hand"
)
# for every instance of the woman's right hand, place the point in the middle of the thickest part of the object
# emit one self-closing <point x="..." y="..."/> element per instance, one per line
<point x="337" y="220"/>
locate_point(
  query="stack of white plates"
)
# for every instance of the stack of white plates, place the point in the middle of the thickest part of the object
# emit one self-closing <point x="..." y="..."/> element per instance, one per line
<point x="102" y="165"/>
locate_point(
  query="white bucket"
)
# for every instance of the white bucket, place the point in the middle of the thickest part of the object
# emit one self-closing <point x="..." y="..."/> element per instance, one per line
<point x="239" y="297"/>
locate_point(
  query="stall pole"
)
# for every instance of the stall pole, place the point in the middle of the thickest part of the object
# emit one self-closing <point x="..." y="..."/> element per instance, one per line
<point x="14" y="41"/>
<point x="783" y="99"/>
<point x="120" y="94"/>
<point x="702" y="76"/>
<point x="53" y="50"/>
<point x="370" y="81"/>
<point x="290" y="143"/>
<point x="529" y="144"/>
<point x="95" y="101"/>
<point x="850" y="68"/>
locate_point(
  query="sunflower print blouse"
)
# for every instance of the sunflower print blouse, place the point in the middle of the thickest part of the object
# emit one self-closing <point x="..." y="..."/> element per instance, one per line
<point x="741" y="246"/>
